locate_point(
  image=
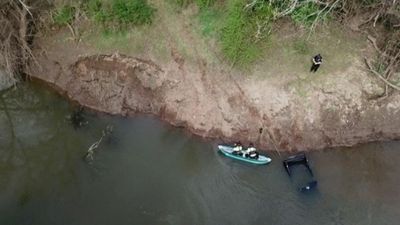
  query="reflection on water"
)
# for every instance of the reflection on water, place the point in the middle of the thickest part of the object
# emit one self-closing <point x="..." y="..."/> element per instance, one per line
<point x="147" y="172"/>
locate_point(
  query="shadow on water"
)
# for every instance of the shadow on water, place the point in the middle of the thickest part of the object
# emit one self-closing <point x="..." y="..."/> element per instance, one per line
<point x="146" y="172"/>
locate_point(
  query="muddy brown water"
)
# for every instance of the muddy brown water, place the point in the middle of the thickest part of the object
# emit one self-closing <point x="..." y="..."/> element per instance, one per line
<point x="147" y="172"/>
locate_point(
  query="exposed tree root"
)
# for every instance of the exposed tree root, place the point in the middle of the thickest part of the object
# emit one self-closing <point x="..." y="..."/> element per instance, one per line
<point x="17" y="28"/>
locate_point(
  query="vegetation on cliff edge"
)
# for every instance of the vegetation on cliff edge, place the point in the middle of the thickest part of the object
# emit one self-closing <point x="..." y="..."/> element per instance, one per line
<point x="242" y="28"/>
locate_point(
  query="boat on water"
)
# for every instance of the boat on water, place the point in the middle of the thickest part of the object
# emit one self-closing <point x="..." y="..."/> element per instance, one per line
<point x="228" y="151"/>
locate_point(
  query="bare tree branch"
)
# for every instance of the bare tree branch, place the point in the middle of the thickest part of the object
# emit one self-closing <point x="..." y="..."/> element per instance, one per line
<point x="289" y="10"/>
<point x="25" y="7"/>
<point x="380" y="76"/>
<point x="373" y="41"/>
<point x="91" y="150"/>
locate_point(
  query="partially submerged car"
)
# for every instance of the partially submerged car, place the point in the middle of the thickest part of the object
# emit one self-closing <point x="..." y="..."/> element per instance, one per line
<point x="300" y="159"/>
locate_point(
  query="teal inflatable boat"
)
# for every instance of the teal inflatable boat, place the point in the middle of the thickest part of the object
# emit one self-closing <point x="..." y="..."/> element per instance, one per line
<point x="228" y="150"/>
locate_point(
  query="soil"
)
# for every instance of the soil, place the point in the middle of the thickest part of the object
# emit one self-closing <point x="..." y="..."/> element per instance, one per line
<point x="277" y="104"/>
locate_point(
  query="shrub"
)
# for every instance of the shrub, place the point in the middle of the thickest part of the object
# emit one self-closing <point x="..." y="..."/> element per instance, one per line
<point x="119" y="13"/>
<point x="64" y="15"/>
<point x="135" y="12"/>
<point x="97" y="11"/>
<point x="305" y="14"/>
<point x="241" y="33"/>
<point x="204" y="3"/>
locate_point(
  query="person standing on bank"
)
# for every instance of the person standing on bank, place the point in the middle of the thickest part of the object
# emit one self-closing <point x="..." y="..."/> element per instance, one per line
<point x="317" y="61"/>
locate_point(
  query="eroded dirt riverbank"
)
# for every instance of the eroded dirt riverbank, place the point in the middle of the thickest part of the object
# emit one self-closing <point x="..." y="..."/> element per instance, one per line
<point x="216" y="103"/>
<point x="176" y="70"/>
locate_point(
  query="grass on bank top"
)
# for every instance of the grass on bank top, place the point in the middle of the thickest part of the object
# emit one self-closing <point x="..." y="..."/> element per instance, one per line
<point x="289" y="57"/>
<point x="242" y="33"/>
<point x="64" y="15"/>
<point x="241" y="37"/>
<point x="111" y="14"/>
<point x="210" y="22"/>
<point x="270" y="56"/>
<point x="200" y="3"/>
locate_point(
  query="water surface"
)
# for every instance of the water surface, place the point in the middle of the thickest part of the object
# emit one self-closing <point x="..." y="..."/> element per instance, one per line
<point x="149" y="173"/>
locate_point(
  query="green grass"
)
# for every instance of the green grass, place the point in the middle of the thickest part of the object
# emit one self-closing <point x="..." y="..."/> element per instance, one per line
<point x="64" y="15"/>
<point x="202" y="4"/>
<point x="125" y="42"/>
<point x="115" y="40"/>
<point x="144" y="42"/>
<point x="97" y="12"/>
<point x="182" y="3"/>
<point x="239" y="41"/>
<point x="288" y="57"/>
<point x="210" y="21"/>
<point x="305" y="14"/>
<point x="379" y="66"/>
<point x="301" y="46"/>
<point x="136" y="12"/>
<point x="224" y="28"/>
<point x="111" y="14"/>
<point x="236" y="28"/>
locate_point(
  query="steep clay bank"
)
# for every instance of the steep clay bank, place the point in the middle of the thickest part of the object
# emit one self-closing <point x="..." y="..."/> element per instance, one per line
<point x="217" y="103"/>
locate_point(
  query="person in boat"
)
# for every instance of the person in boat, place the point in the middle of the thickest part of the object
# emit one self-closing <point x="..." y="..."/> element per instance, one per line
<point x="237" y="148"/>
<point x="251" y="152"/>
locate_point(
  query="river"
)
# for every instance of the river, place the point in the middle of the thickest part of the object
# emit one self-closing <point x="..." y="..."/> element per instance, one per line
<point x="149" y="173"/>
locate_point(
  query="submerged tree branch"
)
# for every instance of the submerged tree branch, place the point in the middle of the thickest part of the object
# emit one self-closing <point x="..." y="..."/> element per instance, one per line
<point x="91" y="150"/>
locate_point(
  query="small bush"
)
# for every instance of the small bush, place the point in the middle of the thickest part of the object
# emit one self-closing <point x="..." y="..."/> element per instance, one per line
<point x="240" y="39"/>
<point x="135" y="12"/>
<point x="305" y="14"/>
<point x="64" y="16"/>
<point x="97" y="11"/>
<point x="204" y="3"/>
<point x="118" y="14"/>
<point x="93" y="6"/>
